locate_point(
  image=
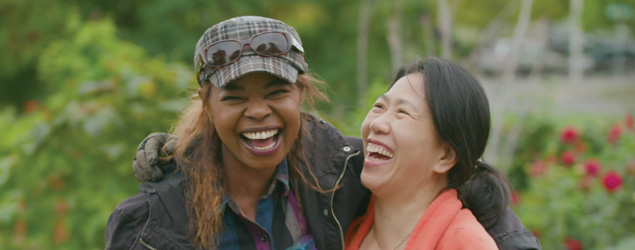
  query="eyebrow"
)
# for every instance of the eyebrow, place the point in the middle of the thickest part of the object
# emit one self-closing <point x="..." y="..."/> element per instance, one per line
<point x="398" y="101"/>
<point x="233" y="87"/>
<point x="272" y="83"/>
<point x="276" y="82"/>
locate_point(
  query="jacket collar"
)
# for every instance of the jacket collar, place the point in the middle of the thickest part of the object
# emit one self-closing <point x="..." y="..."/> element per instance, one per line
<point x="322" y="139"/>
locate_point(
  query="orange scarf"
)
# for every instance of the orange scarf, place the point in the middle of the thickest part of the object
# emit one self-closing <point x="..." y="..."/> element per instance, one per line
<point x="444" y="225"/>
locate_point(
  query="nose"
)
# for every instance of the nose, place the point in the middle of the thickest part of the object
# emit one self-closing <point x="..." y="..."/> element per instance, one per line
<point x="380" y="125"/>
<point x="257" y="109"/>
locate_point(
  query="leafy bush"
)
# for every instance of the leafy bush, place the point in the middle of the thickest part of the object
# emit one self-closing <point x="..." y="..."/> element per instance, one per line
<point x="580" y="187"/>
<point x="66" y="162"/>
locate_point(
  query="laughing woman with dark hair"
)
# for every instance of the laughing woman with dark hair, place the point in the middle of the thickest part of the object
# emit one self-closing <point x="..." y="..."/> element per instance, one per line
<point x="423" y="140"/>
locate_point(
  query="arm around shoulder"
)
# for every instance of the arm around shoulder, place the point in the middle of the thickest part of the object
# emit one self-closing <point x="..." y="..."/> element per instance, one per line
<point x="510" y="234"/>
<point x="126" y="222"/>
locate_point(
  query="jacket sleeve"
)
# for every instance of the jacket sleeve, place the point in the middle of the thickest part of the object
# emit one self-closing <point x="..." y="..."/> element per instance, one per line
<point x="126" y="222"/>
<point x="510" y="234"/>
<point x="357" y="166"/>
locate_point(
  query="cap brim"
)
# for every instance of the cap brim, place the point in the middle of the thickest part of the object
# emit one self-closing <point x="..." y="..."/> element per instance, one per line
<point x="247" y="64"/>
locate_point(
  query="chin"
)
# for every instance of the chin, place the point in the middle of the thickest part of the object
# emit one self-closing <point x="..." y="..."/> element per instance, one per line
<point x="370" y="181"/>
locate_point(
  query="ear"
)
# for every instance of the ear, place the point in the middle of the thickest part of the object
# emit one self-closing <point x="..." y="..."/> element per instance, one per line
<point x="301" y="90"/>
<point x="200" y="93"/>
<point x="447" y="160"/>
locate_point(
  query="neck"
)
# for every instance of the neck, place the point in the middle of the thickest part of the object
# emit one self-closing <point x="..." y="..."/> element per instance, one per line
<point x="244" y="182"/>
<point x="396" y="215"/>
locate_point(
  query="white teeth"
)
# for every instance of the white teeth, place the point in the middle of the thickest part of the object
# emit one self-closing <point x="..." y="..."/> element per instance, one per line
<point x="265" y="147"/>
<point x="260" y="135"/>
<point x="372" y="148"/>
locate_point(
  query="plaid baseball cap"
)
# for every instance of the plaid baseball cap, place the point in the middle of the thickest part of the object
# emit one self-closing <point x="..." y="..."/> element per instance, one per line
<point x="286" y="66"/>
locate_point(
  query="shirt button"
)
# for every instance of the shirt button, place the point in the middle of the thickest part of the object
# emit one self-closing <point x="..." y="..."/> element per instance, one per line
<point x="347" y="148"/>
<point x="326" y="212"/>
<point x="263" y="238"/>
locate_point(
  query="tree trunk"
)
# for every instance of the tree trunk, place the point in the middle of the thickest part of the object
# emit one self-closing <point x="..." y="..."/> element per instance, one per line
<point x="394" y="37"/>
<point x="576" y="42"/>
<point x="542" y="33"/>
<point x="509" y="76"/>
<point x="394" y="42"/>
<point x="519" y="35"/>
<point x="428" y="34"/>
<point x="445" y="28"/>
<point x="365" y="11"/>
<point x="490" y="31"/>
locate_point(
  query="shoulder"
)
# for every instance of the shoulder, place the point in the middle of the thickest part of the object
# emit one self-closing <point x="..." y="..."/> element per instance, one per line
<point x="509" y="233"/>
<point x="158" y="207"/>
<point x="321" y="130"/>
<point x="126" y="221"/>
<point x="465" y="232"/>
<point x="135" y="209"/>
<point x="132" y="206"/>
<point x="323" y="139"/>
<point x="322" y="133"/>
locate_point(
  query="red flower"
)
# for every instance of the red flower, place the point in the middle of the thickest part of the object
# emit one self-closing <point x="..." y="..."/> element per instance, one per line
<point x="612" y="181"/>
<point x="592" y="167"/>
<point x="630" y="122"/>
<point x="568" y="158"/>
<point x="614" y="133"/>
<point x="60" y="233"/>
<point x="515" y="197"/>
<point x="30" y="106"/>
<point x="538" y="168"/>
<point x="61" y="206"/>
<point x="569" y="135"/>
<point x="573" y="244"/>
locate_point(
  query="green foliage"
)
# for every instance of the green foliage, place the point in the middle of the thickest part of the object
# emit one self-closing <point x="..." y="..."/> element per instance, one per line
<point x="329" y="28"/>
<point x="352" y="125"/>
<point x="83" y="81"/>
<point x="566" y="196"/>
<point x="68" y="162"/>
<point x="27" y="28"/>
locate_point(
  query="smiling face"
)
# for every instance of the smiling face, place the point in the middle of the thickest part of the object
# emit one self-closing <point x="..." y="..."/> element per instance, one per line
<point x="401" y="143"/>
<point x="257" y="118"/>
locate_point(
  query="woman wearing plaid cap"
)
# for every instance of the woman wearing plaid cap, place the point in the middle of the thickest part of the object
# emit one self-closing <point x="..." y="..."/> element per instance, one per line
<point x="250" y="169"/>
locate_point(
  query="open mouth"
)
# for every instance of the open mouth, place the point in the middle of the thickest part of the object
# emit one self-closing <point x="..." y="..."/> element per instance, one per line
<point x="378" y="153"/>
<point x="261" y="141"/>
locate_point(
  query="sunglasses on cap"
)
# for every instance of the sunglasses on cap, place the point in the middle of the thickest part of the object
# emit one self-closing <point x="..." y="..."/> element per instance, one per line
<point x="265" y="44"/>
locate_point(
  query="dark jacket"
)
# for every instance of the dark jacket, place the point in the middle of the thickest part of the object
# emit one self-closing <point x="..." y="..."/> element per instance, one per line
<point x="157" y="217"/>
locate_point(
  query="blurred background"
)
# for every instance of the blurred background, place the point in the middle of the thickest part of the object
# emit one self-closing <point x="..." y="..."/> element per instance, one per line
<point x="83" y="82"/>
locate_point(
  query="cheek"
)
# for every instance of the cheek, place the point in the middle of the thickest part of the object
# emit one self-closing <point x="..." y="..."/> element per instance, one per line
<point x="289" y="109"/>
<point x="289" y="106"/>
<point x="366" y="124"/>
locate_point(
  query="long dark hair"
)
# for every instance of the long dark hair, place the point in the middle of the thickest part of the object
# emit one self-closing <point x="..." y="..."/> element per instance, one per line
<point x="460" y="111"/>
